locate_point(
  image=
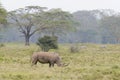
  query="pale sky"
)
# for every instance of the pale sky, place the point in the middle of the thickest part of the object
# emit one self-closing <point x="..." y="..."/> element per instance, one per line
<point x="66" y="5"/>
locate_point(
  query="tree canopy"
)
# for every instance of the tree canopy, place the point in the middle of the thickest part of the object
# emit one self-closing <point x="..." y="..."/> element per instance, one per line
<point x="24" y="19"/>
<point x="32" y="19"/>
<point x="57" y="21"/>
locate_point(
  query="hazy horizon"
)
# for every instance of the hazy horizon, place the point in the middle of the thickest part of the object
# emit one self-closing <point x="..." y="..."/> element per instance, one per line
<point x="66" y="5"/>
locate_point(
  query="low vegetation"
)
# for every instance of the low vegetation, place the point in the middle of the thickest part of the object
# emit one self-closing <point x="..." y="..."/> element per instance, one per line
<point x="89" y="63"/>
<point x="47" y="42"/>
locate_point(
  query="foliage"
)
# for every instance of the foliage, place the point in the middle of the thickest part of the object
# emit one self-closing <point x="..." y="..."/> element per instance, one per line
<point x="111" y="24"/>
<point x="2" y="45"/>
<point x="3" y="14"/>
<point x="34" y="18"/>
<point x="95" y="27"/>
<point x="48" y="42"/>
<point x="3" y="20"/>
<point x="56" y="21"/>
<point x="24" y="19"/>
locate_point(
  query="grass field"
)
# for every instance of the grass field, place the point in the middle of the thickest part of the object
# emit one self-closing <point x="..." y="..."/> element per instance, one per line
<point x="90" y="63"/>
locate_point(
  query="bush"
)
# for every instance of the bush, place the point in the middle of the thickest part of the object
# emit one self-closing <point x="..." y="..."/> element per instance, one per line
<point x="74" y="49"/>
<point x="48" y="42"/>
<point x="2" y="45"/>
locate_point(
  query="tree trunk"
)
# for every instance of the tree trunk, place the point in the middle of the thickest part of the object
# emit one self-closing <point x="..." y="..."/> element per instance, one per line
<point x="27" y="43"/>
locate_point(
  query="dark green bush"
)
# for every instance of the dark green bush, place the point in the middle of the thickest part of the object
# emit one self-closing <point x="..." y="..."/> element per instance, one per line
<point x="2" y="45"/>
<point x="48" y="42"/>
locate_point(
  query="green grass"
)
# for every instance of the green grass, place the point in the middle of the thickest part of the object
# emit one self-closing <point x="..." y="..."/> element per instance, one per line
<point x="90" y="63"/>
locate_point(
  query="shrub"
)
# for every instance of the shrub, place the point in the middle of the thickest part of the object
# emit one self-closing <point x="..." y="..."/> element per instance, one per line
<point x="2" y="45"/>
<point x="74" y="49"/>
<point x="47" y="42"/>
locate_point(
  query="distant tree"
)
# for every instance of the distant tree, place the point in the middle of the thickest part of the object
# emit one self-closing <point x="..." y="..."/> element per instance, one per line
<point x="24" y="19"/>
<point x="57" y="21"/>
<point x="86" y="19"/>
<point x="3" y="20"/>
<point x="112" y="25"/>
<point x="3" y="15"/>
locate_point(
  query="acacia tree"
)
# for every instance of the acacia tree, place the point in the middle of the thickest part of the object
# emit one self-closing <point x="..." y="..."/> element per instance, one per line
<point x="24" y="19"/>
<point x="56" y="21"/>
<point x="34" y="18"/>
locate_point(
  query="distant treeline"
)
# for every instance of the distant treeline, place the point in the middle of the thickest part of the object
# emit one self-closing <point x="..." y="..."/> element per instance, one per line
<point x="95" y="26"/>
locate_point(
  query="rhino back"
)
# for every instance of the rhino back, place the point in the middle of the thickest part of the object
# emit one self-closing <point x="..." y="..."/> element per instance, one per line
<point x="45" y="57"/>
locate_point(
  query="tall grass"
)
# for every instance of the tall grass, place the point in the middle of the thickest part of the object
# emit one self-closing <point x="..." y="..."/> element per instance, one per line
<point x="90" y="63"/>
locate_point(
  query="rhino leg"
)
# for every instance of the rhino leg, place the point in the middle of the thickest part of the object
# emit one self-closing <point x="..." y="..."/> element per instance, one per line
<point x="51" y="64"/>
